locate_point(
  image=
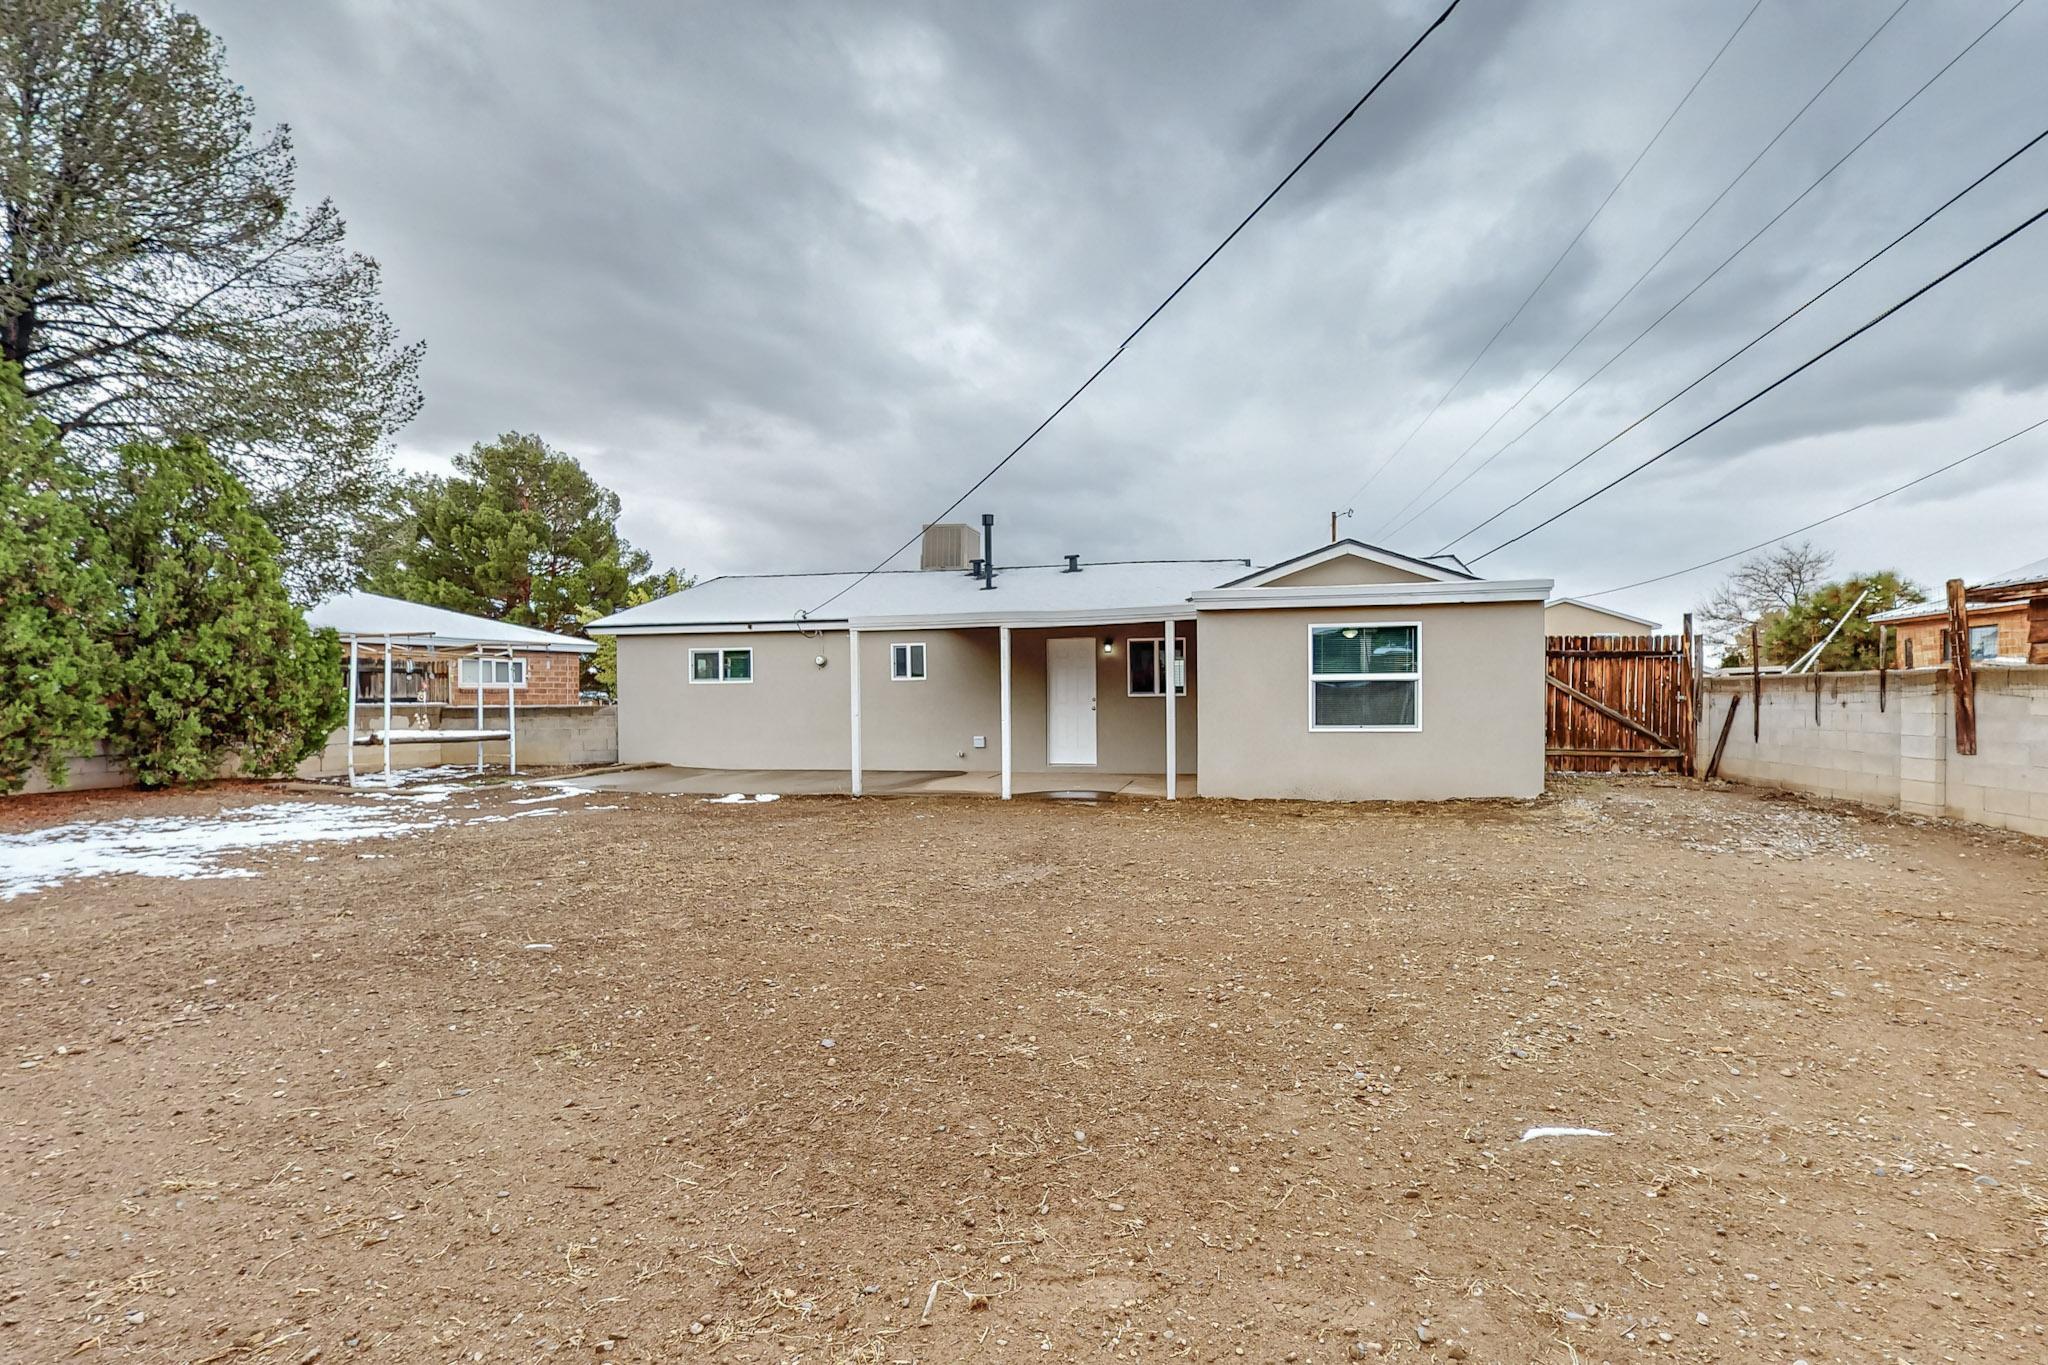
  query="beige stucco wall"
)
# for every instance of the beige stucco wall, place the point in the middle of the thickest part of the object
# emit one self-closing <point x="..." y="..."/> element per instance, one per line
<point x="795" y="714"/>
<point x="1346" y="569"/>
<point x="1481" y="707"/>
<point x="1569" y="618"/>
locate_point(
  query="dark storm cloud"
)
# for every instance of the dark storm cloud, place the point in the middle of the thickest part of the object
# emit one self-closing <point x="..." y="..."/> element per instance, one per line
<point x="788" y="277"/>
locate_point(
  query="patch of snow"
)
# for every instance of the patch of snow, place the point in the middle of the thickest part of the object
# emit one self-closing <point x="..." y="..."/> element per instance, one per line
<point x="555" y="791"/>
<point x="516" y="815"/>
<point x="185" y="846"/>
<point x="432" y="795"/>
<point x="412" y="777"/>
<point x="1535" y="1133"/>
<point x="741" y="798"/>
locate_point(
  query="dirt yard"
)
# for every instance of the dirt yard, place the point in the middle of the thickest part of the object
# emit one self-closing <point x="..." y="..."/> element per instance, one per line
<point x="930" y="1079"/>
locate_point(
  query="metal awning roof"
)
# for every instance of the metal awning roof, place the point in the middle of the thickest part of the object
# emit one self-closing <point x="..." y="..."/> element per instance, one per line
<point x="369" y="617"/>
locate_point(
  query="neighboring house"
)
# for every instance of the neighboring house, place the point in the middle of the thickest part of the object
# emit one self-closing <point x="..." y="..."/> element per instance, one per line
<point x="1347" y="673"/>
<point x="440" y="656"/>
<point x="1570" y="616"/>
<point x="2008" y="622"/>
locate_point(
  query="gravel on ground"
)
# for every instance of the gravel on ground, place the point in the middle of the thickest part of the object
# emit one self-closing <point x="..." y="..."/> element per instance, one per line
<point x="1641" y="1070"/>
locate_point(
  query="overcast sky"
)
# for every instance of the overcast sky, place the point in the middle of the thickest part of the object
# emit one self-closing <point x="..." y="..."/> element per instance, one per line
<point x="788" y="277"/>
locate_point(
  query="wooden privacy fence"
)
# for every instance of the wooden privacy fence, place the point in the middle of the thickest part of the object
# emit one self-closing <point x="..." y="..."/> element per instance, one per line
<point x="1619" y="703"/>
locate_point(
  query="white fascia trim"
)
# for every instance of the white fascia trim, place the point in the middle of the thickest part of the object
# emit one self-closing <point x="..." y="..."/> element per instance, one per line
<point x="972" y="620"/>
<point x="430" y="640"/>
<point x="1375" y="594"/>
<point x="1030" y="620"/>
<point x="724" y="628"/>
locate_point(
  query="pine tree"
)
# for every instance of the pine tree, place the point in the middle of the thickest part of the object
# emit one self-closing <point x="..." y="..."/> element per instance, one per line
<point x="519" y="533"/>
<point x="161" y="274"/>
<point x="213" y="659"/>
<point x="54" y="601"/>
<point x="1792" y="632"/>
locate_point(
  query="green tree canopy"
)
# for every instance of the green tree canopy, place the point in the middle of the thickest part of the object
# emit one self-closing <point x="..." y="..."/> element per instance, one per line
<point x="520" y="533"/>
<point x="1789" y="633"/>
<point x="54" y="600"/>
<point x="156" y="280"/>
<point x="213" y="658"/>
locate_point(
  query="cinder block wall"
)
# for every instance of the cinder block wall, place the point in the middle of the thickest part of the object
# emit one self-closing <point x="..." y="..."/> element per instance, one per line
<point x="571" y="736"/>
<point x="1901" y="754"/>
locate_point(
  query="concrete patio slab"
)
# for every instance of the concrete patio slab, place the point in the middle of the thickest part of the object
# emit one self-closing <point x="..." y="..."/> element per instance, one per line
<point x="664" y="780"/>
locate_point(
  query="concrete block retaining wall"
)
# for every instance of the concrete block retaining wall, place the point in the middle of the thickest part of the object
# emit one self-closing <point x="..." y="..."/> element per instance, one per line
<point x="1901" y="755"/>
<point x="549" y="737"/>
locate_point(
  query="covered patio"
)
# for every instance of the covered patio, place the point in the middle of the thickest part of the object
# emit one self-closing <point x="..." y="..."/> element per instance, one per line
<point x="1081" y="702"/>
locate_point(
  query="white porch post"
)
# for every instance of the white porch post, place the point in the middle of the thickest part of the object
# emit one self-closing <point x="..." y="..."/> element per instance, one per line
<point x="853" y="702"/>
<point x="479" y="700"/>
<point x="387" y="708"/>
<point x="1172" y="706"/>
<point x="354" y="656"/>
<point x="511" y="721"/>
<point x="1004" y="652"/>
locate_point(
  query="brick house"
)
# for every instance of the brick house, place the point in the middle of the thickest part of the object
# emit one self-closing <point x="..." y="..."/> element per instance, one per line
<point x="2008" y="622"/>
<point x="441" y="657"/>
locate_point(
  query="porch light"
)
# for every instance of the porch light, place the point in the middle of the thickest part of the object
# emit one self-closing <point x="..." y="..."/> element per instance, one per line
<point x="1109" y="644"/>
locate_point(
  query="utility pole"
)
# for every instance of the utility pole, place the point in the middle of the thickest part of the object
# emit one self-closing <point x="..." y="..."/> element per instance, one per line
<point x="1333" y="523"/>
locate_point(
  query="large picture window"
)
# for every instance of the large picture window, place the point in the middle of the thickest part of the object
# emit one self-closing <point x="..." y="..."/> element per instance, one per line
<point x="1365" y="677"/>
<point x="494" y="672"/>
<point x="1983" y="642"/>
<point x="721" y="665"/>
<point x="1147" y="678"/>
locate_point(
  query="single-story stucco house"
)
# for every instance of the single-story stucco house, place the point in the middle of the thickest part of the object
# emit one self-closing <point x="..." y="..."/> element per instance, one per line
<point x="1570" y="616"/>
<point x="1347" y="673"/>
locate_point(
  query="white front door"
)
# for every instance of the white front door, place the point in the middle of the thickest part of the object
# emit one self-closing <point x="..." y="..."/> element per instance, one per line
<point x="1070" y="700"/>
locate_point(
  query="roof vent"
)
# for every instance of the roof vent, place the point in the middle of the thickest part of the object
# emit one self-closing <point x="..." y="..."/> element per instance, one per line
<point x="948" y="546"/>
<point x="1073" y="564"/>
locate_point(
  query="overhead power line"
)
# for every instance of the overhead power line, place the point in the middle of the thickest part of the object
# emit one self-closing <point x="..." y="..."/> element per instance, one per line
<point x="1711" y="275"/>
<point x="1577" y="237"/>
<point x="1650" y="269"/>
<point x="1979" y="254"/>
<point x="1832" y="516"/>
<point x="1214" y="252"/>
<point x="1746" y="346"/>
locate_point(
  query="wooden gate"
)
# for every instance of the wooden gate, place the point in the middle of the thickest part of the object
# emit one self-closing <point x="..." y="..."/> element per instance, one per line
<point x="1619" y="703"/>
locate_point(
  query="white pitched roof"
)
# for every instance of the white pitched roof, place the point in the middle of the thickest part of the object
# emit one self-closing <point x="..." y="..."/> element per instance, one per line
<point x="1117" y="591"/>
<point x="368" y="614"/>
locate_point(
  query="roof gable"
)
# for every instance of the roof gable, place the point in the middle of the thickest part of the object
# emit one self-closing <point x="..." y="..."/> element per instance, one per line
<point x="1610" y="612"/>
<point x="1344" y="562"/>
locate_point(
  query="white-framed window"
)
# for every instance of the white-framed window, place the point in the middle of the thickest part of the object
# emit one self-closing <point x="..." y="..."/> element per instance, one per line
<point x="1146" y="679"/>
<point x="906" y="661"/>
<point x="1984" y="642"/>
<point x="721" y="665"/>
<point x="492" y="672"/>
<point x="1366" y="676"/>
